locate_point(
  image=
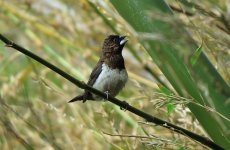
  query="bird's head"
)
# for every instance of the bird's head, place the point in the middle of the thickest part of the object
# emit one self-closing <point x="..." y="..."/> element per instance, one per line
<point x="114" y="44"/>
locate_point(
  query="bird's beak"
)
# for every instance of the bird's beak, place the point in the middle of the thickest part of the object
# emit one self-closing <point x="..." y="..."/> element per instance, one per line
<point x="123" y="40"/>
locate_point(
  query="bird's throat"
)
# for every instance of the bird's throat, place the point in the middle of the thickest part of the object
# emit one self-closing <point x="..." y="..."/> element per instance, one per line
<point x="115" y="62"/>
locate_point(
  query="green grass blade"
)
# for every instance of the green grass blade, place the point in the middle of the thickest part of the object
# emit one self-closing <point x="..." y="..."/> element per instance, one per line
<point x="196" y="55"/>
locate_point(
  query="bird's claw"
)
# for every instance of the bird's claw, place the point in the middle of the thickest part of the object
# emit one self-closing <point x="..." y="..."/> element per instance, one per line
<point x="125" y="104"/>
<point x="107" y="95"/>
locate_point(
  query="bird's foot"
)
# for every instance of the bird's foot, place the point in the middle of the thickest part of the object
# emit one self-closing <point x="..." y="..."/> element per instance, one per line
<point x="107" y="96"/>
<point x="125" y="104"/>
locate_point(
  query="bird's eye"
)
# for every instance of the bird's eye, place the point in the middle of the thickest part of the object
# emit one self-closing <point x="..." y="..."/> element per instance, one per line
<point x="114" y="40"/>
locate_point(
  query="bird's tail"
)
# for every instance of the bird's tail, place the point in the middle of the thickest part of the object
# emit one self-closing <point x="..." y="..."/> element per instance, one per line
<point x="83" y="97"/>
<point x="78" y="98"/>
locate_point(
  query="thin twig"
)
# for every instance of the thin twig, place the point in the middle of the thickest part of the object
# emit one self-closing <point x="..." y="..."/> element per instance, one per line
<point x="138" y="136"/>
<point x="159" y="140"/>
<point x="130" y="136"/>
<point x="113" y="100"/>
<point x="176" y="9"/>
<point x="221" y="18"/>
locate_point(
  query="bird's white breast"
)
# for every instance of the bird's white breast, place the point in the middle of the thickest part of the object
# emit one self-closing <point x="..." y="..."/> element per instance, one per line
<point x="111" y="80"/>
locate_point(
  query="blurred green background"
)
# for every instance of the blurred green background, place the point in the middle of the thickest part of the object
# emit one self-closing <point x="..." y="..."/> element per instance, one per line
<point x="177" y="57"/>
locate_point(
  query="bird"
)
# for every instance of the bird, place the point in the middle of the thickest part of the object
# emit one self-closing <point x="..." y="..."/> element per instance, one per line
<point x="109" y="75"/>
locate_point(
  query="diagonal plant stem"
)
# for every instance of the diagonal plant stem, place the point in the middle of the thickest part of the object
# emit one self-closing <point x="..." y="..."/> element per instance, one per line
<point x="122" y="104"/>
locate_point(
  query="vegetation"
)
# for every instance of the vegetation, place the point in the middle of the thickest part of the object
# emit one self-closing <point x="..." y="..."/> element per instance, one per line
<point x="178" y="68"/>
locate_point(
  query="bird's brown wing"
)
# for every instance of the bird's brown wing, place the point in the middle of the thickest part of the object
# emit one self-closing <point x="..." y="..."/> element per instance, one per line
<point x="92" y="79"/>
<point x="95" y="73"/>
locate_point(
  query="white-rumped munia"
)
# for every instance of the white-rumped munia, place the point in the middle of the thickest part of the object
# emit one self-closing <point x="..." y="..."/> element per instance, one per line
<point x="109" y="75"/>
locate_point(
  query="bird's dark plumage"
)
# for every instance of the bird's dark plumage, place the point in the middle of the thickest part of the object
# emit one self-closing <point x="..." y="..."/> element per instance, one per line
<point x="109" y="75"/>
